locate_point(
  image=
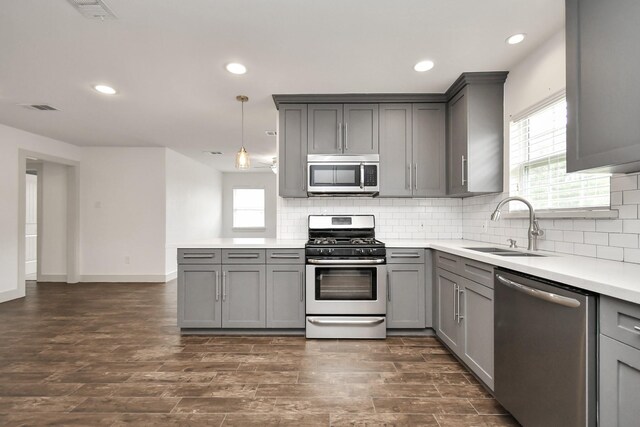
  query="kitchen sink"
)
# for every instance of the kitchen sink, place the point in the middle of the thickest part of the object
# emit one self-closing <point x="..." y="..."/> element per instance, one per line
<point x="504" y="252"/>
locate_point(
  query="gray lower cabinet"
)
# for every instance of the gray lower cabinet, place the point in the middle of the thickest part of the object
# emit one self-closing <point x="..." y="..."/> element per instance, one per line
<point x="464" y="310"/>
<point x="285" y="296"/>
<point x="292" y="150"/>
<point x="412" y="150"/>
<point x="405" y="296"/>
<point x="199" y="304"/>
<point x="475" y="137"/>
<point x="619" y="383"/>
<point x="603" y="130"/>
<point x="243" y="296"/>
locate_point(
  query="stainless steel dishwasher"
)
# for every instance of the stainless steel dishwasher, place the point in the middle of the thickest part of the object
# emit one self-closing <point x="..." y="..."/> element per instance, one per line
<point x="545" y="351"/>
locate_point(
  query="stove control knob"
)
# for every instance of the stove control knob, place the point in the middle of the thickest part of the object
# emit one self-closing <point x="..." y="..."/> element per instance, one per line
<point x="329" y="251"/>
<point x="321" y="251"/>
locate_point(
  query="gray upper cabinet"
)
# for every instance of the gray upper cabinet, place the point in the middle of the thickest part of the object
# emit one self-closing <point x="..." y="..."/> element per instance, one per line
<point x="199" y="290"/>
<point x="325" y="132"/>
<point x="343" y="129"/>
<point x="360" y="129"/>
<point x="603" y="130"/>
<point x="475" y="131"/>
<point x="412" y="150"/>
<point x="285" y="296"/>
<point x="292" y="150"/>
<point x="243" y="296"/>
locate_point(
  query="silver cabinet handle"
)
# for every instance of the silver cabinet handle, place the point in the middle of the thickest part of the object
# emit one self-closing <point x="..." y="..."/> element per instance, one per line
<point x="243" y="256"/>
<point x="460" y="316"/>
<point x="388" y="286"/>
<point x="537" y="293"/>
<point x="301" y="286"/>
<point x="339" y="136"/>
<point x="362" y="175"/>
<point x="345" y="261"/>
<point x="224" y="285"/>
<point x="637" y="328"/>
<point x="285" y="256"/>
<point x="415" y="175"/>
<point x="197" y="256"/>
<point x="317" y="321"/>
<point x="405" y="255"/>
<point x="410" y="177"/>
<point x="217" y="286"/>
<point x="463" y="161"/>
<point x="455" y="294"/>
<point x="346" y="137"/>
<point x="407" y="184"/>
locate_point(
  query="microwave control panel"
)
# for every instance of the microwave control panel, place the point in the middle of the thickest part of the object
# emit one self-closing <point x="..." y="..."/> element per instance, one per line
<point x="370" y="175"/>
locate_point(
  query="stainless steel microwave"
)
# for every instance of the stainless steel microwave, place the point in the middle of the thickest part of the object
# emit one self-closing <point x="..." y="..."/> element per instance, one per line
<point x="343" y="175"/>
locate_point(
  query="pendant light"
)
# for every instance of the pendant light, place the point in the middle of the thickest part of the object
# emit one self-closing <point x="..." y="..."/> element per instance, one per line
<point x="242" y="158"/>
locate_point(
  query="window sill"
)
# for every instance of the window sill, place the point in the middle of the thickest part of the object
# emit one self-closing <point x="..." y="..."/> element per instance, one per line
<point x="572" y="214"/>
<point x="249" y="228"/>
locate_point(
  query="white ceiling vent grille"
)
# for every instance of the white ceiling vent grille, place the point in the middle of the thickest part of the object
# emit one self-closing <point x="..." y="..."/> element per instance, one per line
<point x="271" y="132"/>
<point x="39" y="107"/>
<point x="93" y="9"/>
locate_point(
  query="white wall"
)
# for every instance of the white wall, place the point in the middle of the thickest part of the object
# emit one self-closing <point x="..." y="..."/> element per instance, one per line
<point x="53" y="232"/>
<point x="268" y="181"/>
<point x="122" y="211"/>
<point x="193" y="203"/>
<point x="536" y="78"/>
<point x="11" y="176"/>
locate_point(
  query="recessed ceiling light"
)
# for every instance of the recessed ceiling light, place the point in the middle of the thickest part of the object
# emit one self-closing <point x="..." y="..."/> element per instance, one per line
<point x="423" y="66"/>
<point x="516" y="38"/>
<point x="107" y="90"/>
<point x="236" y="68"/>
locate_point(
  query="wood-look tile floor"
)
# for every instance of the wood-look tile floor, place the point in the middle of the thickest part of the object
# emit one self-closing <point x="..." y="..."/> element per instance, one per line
<point x="111" y="355"/>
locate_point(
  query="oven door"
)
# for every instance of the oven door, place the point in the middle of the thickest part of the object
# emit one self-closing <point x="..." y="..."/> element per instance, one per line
<point x="346" y="289"/>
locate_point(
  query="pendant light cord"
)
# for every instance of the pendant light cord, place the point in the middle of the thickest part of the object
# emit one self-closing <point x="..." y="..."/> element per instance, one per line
<point x="242" y="125"/>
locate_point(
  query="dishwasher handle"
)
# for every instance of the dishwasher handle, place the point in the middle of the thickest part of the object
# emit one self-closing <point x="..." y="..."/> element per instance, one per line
<point x="537" y="293"/>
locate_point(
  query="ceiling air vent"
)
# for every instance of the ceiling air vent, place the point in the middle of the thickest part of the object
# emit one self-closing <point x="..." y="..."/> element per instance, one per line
<point x="213" y="153"/>
<point x="39" y="107"/>
<point x="93" y="9"/>
<point x="271" y="132"/>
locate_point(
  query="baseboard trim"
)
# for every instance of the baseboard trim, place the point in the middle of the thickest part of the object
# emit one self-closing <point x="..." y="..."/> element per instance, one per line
<point x="171" y="276"/>
<point x="125" y="278"/>
<point x="55" y="278"/>
<point x="11" y="295"/>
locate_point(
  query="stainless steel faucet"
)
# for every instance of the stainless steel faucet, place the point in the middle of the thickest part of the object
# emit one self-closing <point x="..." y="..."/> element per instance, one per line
<point x="534" y="228"/>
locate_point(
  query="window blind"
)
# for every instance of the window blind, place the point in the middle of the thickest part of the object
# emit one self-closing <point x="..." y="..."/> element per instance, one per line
<point x="538" y="164"/>
<point x="248" y="208"/>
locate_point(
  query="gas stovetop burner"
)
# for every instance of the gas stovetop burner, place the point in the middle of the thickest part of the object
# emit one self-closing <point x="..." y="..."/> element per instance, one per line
<point x="363" y="241"/>
<point x="324" y="241"/>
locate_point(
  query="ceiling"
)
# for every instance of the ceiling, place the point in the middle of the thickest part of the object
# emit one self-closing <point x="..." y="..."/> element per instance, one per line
<point x="166" y="58"/>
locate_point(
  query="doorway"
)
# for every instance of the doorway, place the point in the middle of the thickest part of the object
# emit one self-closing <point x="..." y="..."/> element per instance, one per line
<point x="31" y="225"/>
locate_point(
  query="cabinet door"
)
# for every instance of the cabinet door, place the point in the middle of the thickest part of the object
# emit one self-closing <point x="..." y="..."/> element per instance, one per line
<point x="457" y="143"/>
<point x="405" y="296"/>
<point x="429" y="146"/>
<point x="199" y="296"/>
<point x="292" y="150"/>
<point x="619" y="383"/>
<point x="603" y="129"/>
<point x="243" y="296"/>
<point x="395" y="150"/>
<point x="476" y="314"/>
<point x="285" y="296"/>
<point x="449" y="330"/>
<point x="325" y="131"/>
<point x="360" y="129"/>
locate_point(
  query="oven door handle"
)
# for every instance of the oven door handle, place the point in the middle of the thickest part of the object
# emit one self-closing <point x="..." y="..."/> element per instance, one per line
<point x="317" y="321"/>
<point x="345" y="261"/>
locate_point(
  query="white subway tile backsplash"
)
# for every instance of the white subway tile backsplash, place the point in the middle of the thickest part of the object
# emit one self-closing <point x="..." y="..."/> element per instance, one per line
<point x="611" y="253"/>
<point x="631" y="197"/>
<point x="623" y="240"/>
<point x="609" y="226"/>
<point x="573" y="236"/>
<point x="624" y="182"/>
<point x="596" y="238"/>
<point x="616" y="198"/>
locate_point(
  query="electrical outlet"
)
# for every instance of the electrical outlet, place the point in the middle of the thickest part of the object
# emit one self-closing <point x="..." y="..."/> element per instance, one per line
<point x="127" y="259"/>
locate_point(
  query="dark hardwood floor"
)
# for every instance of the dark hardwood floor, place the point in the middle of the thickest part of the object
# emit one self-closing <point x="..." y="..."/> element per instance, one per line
<point x="111" y="355"/>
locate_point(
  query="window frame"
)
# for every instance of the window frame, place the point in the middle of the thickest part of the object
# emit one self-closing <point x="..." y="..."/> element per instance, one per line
<point x="264" y="208"/>
<point x="602" y="211"/>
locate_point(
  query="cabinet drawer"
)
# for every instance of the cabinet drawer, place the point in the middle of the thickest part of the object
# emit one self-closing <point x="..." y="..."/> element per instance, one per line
<point x="199" y="256"/>
<point x="405" y="256"/>
<point x="448" y="262"/>
<point x="243" y="256"/>
<point x="620" y="320"/>
<point x="285" y="256"/>
<point x="477" y="271"/>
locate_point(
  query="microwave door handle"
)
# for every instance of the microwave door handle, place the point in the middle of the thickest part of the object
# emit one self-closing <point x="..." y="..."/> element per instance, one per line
<point x="362" y="176"/>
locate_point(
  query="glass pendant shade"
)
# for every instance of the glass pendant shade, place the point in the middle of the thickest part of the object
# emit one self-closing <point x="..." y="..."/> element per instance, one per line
<point x="242" y="159"/>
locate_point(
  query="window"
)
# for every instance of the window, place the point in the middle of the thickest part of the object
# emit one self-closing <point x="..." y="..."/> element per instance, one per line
<point x="538" y="163"/>
<point x="248" y="208"/>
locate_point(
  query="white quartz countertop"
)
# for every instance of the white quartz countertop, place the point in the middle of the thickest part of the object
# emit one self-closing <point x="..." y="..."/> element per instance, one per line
<point x="616" y="279"/>
<point x="243" y="242"/>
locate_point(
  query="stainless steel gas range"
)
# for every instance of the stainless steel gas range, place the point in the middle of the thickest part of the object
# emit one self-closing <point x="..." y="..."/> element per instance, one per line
<point x="346" y="278"/>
